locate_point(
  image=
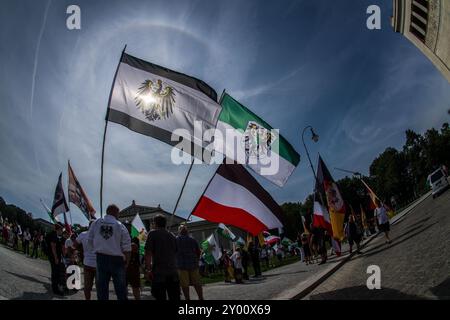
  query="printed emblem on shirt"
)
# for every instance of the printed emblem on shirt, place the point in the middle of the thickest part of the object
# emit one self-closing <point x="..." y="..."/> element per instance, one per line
<point x="106" y="231"/>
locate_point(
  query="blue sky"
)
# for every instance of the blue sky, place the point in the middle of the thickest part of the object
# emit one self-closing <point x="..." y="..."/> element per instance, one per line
<point x="294" y="63"/>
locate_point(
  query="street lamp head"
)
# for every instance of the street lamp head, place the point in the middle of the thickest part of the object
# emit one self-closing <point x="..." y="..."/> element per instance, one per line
<point x="314" y="136"/>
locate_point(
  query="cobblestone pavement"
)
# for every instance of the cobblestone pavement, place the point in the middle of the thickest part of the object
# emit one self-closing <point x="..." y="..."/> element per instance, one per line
<point x="416" y="265"/>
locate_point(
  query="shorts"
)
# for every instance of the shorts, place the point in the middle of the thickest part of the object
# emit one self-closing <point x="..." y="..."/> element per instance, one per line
<point x="189" y="278"/>
<point x="385" y="227"/>
<point x="89" y="277"/>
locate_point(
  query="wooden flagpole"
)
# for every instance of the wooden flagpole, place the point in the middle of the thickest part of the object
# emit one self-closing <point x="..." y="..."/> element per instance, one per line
<point x="104" y="133"/>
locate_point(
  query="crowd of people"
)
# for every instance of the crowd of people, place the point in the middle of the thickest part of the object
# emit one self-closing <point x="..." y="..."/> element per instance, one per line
<point x="108" y="252"/>
<point x="172" y="263"/>
<point x="314" y="244"/>
<point x="30" y="242"/>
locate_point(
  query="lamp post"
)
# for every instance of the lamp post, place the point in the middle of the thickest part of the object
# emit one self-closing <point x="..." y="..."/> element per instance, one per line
<point x="315" y="138"/>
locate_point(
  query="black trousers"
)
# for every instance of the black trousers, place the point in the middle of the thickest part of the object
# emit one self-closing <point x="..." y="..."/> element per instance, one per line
<point x="164" y="287"/>
<point x="34" y="253"/>
<point x="256" y="267"/>
<point x="26" y="247"/>
<point x="57" y="276"/>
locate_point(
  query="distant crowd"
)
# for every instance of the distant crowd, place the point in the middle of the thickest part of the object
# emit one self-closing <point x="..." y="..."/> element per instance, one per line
<point x="30" y="242"/>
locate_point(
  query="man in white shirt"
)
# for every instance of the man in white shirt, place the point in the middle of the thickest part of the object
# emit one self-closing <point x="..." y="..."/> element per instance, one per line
<point x="111" y="242"/>
<point x="382" y="220"/>
<point x="89" y="262"/>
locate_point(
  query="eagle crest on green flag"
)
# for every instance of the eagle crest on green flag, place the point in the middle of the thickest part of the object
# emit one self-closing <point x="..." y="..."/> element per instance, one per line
<point x="138" y="230"/>
<point x="211" y="250"/>
<point x="225" y="232"/>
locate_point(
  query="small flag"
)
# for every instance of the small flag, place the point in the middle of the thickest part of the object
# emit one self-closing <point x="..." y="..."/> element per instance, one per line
<point x="138" y="231"/>
<point x="78" y="196"/>
<point x="321" y="217"/>
<point x="211" y="249"/>
<point x="240" y="241"/>
<point x="271" y="240"/>
<point x="253" y="142"/>
<point x="49" y="212"/>
<point x="60" y="203"/>
<point x="374" y="198"/>
<point x="335" y="202"/>
<point x="155" y="101"/>
<point x="261" y="239"/>
<point x="225" y="232"/>
<point x="363" y="217"/>
<point x="234" y="197"/>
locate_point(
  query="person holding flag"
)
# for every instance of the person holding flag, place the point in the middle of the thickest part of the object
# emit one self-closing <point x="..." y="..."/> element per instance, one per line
<point x="380" y="214"/>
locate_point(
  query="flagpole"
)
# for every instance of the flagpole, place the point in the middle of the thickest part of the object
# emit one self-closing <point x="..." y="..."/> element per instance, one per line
<point x="104" y="132"/>
<point x="181" y="192"/>
<point x="187" y="176"/>
<point x="68" y="195"/>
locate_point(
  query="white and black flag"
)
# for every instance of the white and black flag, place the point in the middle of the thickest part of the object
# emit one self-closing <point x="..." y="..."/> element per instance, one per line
<point x="155" y="101"/>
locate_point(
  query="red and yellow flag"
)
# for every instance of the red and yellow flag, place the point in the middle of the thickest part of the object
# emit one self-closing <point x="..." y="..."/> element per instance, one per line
<point x="335" y="202"/>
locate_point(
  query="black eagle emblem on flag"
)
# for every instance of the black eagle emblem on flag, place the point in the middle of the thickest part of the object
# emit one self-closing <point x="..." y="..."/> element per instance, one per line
<point x="155" y="101"/>
<point x="106" y="232"/>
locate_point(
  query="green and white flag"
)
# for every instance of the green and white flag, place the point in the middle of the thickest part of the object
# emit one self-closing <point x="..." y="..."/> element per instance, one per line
<point x="211" y="249"/>
<point x="138" y="230"/>
<point x="244" y="137"/>
<point x="225" y="232"/>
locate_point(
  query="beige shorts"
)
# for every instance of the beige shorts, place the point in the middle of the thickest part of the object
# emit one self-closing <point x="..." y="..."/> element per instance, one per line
<point x="189" y="278"/>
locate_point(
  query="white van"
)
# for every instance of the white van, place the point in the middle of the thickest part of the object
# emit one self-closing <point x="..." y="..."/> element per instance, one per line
<point x="438" y="182"/>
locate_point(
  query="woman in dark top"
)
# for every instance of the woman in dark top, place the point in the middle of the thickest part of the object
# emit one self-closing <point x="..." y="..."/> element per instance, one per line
<point x="133" y="270"/>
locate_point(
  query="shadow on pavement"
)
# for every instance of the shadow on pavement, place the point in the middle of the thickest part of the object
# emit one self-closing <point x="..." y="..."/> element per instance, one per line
<point x="38" y="295"/>
<point x="442" y="290"/>
<point x="363" y="293"/>
<point x="395" y="242"/>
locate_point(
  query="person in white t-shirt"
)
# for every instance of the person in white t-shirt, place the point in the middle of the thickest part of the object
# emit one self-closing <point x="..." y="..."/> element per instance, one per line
<point x="89" y="263"/>
<point x="111" y="242"/>
<point x="380" y="214"/>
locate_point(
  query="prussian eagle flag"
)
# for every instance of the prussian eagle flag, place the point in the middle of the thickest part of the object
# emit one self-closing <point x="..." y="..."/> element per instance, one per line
<point x="163" y="104"/>
<point x="244" y="137"/>
<point x="234" y="197"/>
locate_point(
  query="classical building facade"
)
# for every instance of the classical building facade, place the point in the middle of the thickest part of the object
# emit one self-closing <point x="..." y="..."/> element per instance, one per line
<point x="44" y="224"/>
<point x="426" y="23"/>
<point x="199" y="230"/>
<point x="147" y="214"/>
